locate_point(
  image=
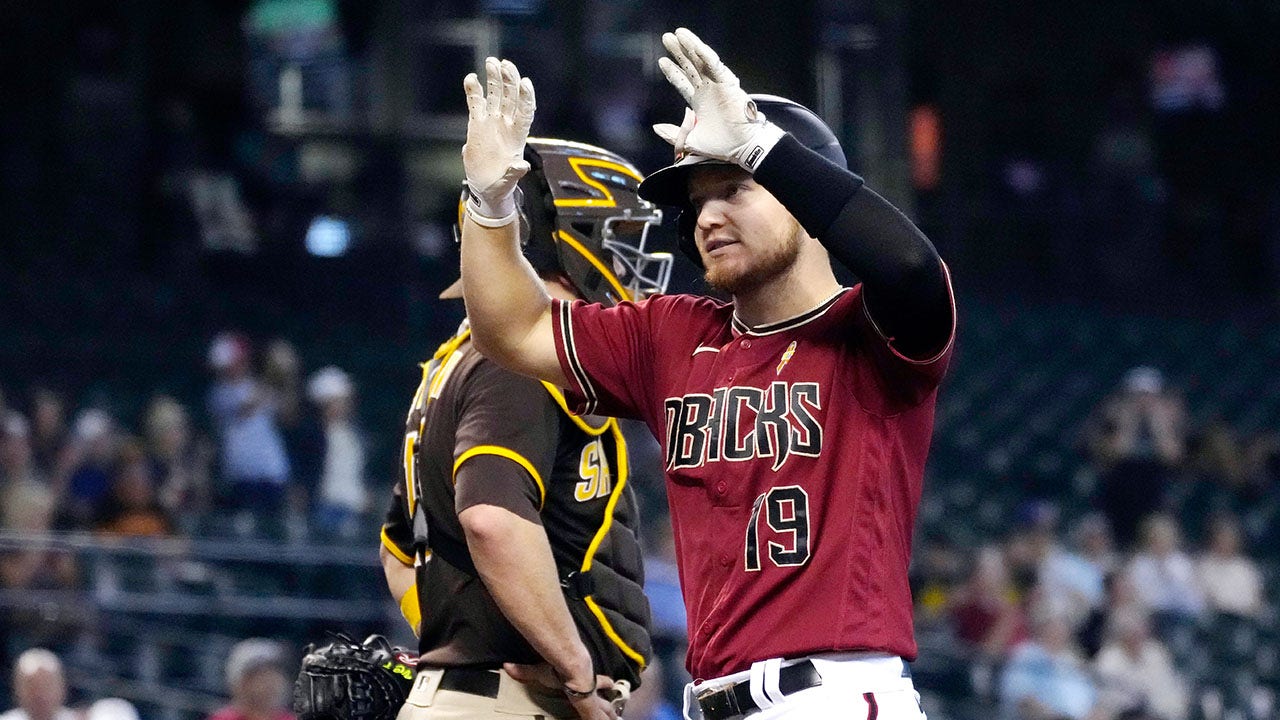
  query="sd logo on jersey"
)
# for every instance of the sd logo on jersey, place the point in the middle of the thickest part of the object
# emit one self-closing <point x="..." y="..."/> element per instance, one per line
<point x="593" y="468"/>
<point x="743" y="423"/>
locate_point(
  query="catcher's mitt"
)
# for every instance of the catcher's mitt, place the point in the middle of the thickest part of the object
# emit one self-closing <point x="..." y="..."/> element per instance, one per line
<point x="346" y="681"/>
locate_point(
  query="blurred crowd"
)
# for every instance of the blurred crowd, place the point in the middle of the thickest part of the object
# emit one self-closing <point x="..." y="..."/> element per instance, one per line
<point x="274" y="455"/>
<point x="1146" y="590"/>
<point x="257" y="672"/>
<point x="1079" y="630"/>
<point x="1154" y="600"/>
<point x="271" y="455"/>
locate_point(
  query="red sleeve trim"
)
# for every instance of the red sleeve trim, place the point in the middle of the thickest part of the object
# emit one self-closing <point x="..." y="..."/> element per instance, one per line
<point x="951" y="338"/>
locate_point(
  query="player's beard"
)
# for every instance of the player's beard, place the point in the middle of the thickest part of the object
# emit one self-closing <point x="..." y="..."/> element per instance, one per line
<point x="737" y="279"/>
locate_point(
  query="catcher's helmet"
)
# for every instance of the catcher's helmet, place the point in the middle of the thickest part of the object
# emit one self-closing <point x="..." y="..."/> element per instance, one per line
<point x="581" y="216"/>
<point x="670" y="185"/>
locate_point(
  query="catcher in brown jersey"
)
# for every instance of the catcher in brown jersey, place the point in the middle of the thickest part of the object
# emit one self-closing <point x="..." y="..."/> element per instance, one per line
<point x="511" y="535"/>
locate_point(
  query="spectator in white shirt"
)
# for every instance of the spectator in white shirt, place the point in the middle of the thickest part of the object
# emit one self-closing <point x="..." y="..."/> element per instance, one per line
<point x="255" y="465"/>
<point x="340" y="492"/>
<point x="39" y="687"/>
<point x="1136" y="672"/>
<point x="1164" y="575"/>
<point x="1045" y="677"/>
<point x="1232" y="582"/>
<point x="1077" y="574"/>
<point x="112" y="708"/>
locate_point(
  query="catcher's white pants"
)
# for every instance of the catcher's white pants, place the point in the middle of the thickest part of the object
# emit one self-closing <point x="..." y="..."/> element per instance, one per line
<point x="515" y="700"/>
<point x="854" y="686"/>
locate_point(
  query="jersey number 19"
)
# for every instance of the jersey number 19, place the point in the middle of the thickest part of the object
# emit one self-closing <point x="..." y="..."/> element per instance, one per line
<point x="787" y="514"/>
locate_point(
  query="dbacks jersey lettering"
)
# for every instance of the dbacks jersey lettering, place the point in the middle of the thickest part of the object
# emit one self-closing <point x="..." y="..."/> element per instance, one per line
<point x="794" y="458"/>
<point x="750" y="422"/>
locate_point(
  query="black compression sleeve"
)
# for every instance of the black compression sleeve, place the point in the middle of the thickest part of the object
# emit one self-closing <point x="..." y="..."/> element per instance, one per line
<point x="813" y="188"/>
<point x="902" y="276"/>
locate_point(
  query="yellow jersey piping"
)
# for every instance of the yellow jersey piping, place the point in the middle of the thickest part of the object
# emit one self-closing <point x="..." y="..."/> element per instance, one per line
<point x="397" y="552"/>
<point x="509" y="454"/>
<point x="599" y="538"/>
<point x="558" y="396"/>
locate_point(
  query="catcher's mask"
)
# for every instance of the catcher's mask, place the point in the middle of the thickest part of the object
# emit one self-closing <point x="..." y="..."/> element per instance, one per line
<point x="670" y="185"/>
<point x="581" y="217"/>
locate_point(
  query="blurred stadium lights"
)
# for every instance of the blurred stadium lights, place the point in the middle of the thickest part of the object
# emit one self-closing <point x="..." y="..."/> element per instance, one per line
<point x="512" y="7"/>
<point x="432" y="240"/>
<point x="224" y="221"/>
<point x="1187" y="78"/>
<point x="328" y="236"/>
<point x="289" y="113"/>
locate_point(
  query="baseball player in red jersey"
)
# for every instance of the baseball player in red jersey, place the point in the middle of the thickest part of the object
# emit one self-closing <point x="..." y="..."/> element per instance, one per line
<point x="796" y="419"/>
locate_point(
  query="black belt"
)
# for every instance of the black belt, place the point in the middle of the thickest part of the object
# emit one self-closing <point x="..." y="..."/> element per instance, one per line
<point x="471" y="681"/>
<point x="736" y="699"/>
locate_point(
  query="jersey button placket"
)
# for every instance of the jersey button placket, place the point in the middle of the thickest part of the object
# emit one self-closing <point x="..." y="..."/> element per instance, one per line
<point x="746" y="343"/>
<point x="722" y="487"/>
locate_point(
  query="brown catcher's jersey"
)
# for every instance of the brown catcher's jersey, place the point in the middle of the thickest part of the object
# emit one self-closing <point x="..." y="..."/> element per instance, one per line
<point x="478" y="434"/>
<point x="794" y="461"/>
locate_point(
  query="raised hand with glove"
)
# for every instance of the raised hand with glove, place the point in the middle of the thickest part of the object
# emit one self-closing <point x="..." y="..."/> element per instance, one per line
<point x="722" y="121"/>
<point x="497" y="127"/>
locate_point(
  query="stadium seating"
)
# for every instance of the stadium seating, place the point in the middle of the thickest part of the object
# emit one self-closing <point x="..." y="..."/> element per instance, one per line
<point x="1009" y="425"/>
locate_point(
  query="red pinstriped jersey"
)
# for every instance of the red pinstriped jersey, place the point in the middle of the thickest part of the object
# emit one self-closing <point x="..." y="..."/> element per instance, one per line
<point x="794" y="459"/>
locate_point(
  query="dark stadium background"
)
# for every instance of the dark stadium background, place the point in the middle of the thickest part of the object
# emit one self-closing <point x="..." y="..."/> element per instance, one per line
<point x="1102" y="177"/>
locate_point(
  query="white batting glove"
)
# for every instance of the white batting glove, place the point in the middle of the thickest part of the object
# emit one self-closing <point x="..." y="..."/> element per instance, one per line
<point x="723" y="122"/>
<point x="497" y="128"/>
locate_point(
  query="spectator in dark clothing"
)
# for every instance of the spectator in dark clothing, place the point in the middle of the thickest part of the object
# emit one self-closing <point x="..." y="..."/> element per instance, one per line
<point x="179" y="460"/>
<point x="35" y="567"/>
<point x="17" y="462"/>
<point x="91" y="456"/>
<point x="49" y="434"/>
<point x="1136" y="441"/>
<point x="1121" y="596"/>
<point x="131" y="508"/>
<point x="985" y="612"/>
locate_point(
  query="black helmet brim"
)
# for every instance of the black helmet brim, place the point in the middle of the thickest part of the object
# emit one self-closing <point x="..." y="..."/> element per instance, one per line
<point x="670" y="185"/>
